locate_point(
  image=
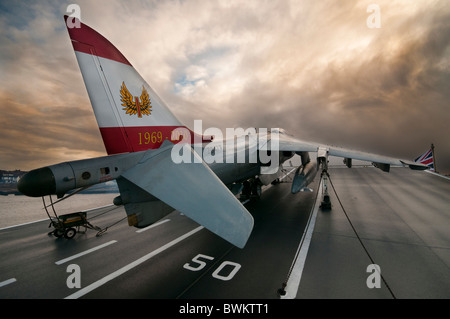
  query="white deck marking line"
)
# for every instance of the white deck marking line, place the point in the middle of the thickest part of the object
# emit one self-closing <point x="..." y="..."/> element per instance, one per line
<point x="40" y="220"/>
<point x="299" y="263"/>
<point x="28" y="223"/>
<point x="7" y="282"/>
<point x="288" y="173"/>
<point x="434" y="173"/>
<point x="98" y="208"/>
<point x="281" y="178"/>
<point x="130" y="266"/>
<point x="153" y="225"/>
<point x="62" y="261"/>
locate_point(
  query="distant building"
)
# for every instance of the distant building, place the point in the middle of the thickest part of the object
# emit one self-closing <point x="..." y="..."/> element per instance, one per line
<point x="10" y="177"/>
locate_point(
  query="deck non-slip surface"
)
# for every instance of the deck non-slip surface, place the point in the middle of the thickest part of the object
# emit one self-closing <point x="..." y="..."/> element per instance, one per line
<point x="399" y="221"/>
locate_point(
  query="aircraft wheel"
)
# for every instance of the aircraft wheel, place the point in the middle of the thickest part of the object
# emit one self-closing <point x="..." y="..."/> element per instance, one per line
<point x="276" y="181"/>
<point x="58" y="233"/>
<point x="256" y="190"/>
<point x="246" y="190"/>
<point x="70" y="233"/>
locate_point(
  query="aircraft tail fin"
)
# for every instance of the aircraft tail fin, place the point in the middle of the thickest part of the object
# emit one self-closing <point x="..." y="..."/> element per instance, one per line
<point x="130" y="114"/>
<point x="132" y="118"/>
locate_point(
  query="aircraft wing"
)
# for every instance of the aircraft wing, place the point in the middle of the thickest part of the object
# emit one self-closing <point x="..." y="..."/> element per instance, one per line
<point x="194" y="190"/>
<point x="290" y="144"/>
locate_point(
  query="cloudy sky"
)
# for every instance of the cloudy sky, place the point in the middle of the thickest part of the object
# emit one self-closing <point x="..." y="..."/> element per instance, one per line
<point x="315" y="68"/>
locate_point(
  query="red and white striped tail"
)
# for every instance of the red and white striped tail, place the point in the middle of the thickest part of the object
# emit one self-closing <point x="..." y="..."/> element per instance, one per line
<point x="129" y="113"/>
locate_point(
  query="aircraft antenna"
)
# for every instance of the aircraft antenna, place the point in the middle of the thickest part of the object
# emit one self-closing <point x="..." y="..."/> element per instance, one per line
<point x="434" y="158"/>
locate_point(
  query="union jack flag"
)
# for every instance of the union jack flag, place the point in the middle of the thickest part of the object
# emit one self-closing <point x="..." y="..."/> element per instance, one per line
<point x="426" y="159"/>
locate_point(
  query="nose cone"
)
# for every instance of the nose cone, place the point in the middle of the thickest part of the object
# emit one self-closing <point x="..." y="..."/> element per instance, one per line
<point x="37" y="183"/>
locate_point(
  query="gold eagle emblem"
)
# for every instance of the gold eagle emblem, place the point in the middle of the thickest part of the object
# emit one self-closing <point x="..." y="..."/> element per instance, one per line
<point x="132" y="104"/>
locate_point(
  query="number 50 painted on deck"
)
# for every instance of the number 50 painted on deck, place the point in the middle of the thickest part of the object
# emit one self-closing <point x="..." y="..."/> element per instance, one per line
<point x="201" y="264"/>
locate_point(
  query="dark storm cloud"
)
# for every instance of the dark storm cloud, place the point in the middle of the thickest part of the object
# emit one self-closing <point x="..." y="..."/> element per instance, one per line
<point x="389" y="96"/>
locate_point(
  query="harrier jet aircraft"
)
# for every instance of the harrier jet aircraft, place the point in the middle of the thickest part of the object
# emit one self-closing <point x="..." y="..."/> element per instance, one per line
<point x="161" y="165"/>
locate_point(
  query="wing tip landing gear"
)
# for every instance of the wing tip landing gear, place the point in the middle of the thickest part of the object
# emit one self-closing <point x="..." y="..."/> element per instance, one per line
<point x="325" y="205"/>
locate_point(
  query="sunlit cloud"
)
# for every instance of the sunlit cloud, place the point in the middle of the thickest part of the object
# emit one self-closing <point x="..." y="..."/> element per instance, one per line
<point x="313" y="67"/>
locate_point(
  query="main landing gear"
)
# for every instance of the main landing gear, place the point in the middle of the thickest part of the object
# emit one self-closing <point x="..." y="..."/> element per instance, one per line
<point x="322" y="158"/>
<point x="326" y="202"/>
<point x="251" y="189"/>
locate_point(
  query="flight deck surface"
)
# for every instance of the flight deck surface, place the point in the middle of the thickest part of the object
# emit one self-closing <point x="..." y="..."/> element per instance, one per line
<point x="399" y="221"/>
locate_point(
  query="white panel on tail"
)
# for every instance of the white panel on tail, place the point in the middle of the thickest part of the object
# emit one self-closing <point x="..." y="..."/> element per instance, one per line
<point x="104" y="80"/>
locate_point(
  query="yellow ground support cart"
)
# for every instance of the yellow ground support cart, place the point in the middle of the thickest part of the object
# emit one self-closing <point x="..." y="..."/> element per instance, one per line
<point x="69" y="224"/>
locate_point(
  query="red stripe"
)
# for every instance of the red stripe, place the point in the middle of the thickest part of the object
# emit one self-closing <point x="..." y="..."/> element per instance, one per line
<point x="425" y="155"/>
<point x="134" y="139"/>
<point x="428" y="161"/>
<point x="115" y="141"/>
<point x="87" y="40"/>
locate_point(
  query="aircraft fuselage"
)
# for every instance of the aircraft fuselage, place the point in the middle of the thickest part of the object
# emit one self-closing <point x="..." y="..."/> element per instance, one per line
<point x="240" y="164"/>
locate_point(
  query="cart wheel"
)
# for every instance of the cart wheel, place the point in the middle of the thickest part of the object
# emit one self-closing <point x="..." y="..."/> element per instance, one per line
<point x="70" y="233"/>
<point x="58" y="233"/>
